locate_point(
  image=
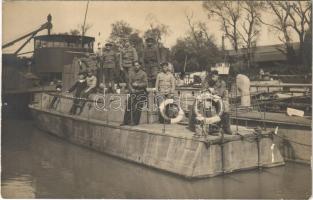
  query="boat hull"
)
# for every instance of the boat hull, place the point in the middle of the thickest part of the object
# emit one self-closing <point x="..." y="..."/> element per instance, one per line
<point x="182" y="155"/>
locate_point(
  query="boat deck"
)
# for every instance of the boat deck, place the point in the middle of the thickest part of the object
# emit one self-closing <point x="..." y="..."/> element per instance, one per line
<point x="170" y="130"/>
<point x="273" y="117"/>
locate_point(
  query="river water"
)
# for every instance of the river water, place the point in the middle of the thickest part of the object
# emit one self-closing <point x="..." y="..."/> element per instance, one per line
<point x="36" y="164"/>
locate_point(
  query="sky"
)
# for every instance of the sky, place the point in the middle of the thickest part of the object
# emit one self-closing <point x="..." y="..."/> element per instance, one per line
<point x="21" y="17"/>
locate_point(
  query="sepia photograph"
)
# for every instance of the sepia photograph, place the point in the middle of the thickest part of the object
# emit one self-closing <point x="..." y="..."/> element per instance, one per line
<point x="156" y="99"/>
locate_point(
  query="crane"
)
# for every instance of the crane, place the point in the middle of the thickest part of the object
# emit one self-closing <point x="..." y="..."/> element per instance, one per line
<point x="47" y="25"/>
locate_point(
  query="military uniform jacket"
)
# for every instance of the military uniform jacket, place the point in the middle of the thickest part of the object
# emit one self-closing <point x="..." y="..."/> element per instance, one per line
<point x="165" y="83"/>
<point x="128" y="56"/>
<point x="140" y="77"/>
<point x="109" y="59"/>
<point x="151" y="56"/>
<point x="90" y="62"/>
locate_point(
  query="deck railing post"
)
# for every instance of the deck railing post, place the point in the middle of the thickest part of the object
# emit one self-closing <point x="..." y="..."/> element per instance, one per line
<point x="264" y="112"/>
<point x="236" y="109"/>
<point x="222" y="152"/>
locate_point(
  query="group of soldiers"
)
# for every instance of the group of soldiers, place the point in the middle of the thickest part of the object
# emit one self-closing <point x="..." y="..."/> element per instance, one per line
<point x="149" y="72"/>
<point x="113" y="66"/>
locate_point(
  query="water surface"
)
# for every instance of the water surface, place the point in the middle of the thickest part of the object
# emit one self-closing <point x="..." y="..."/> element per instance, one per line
<point x="36" y="164"/>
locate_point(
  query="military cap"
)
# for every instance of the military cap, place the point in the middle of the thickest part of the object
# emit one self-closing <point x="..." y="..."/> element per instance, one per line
<point x="149" y="39"/>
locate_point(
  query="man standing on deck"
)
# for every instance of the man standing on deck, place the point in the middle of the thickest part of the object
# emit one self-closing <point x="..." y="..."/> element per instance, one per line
<point x="89" y="62"/>
<point x="137" y="84"/>
<point x="108" y="66"/>
<point x="217" y="86"/>
<point x="128" y="55"/>
<point x="151" y="61"/>
<point x="165" y="86"/>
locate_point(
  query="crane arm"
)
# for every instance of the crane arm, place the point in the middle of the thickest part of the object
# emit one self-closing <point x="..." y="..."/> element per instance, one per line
<point x="47" y="25"/>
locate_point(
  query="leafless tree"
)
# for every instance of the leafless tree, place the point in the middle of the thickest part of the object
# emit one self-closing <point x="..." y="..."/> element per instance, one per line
<point x="156" y="29"/>
<point x="201" y="42"/>
<point x="228" y="14"/>
<point x="291" y="16"/>
<point x="74" y="32"/>
<point x="281" y="11"/>
<point x="281" y="24"/>
<point x="250" y="26"/>
<point x="85" y="28"/>
<point x="192" y="26"/>
<point x="301" y="21"/>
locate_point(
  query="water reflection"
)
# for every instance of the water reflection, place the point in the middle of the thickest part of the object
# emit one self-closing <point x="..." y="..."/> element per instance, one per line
<point x="38" y="165"/>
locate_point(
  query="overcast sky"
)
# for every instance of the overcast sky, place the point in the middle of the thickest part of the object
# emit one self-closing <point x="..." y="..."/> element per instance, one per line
<point x="20" y="17"/>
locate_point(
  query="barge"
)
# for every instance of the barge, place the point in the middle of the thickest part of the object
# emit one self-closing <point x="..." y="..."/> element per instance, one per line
<point x="167" y="147"/>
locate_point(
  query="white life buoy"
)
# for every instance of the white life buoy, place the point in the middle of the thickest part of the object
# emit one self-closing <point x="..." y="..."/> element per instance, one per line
<point x="162" y="108"/>
<point x="220" y="108"/>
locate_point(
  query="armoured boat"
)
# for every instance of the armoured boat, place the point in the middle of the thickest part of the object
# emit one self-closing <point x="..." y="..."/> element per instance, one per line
<point x="168" y="147"/>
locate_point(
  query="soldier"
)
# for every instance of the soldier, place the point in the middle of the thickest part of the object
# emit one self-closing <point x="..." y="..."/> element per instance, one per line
<point x="165" y="85"/>
<point x="108" y="66"/>
<point x="217" y="86"/>
<point x="128" y="56"/>
<point x="138" y="96"/>
<point x="89" y="62"/>
<point x="151" y="60"/>
<point x="165" y="81"/>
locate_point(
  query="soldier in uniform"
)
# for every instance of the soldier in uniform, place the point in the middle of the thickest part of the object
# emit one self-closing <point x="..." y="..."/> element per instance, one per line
<point x="165" y="85"/>
<point x="108" y="66"/>
<point x="165" y="81"/>
<point x="138" y="96"/>
<point x="128" y="56"/>
<point x="89" y="62"/>
<point x="151" y="60"/>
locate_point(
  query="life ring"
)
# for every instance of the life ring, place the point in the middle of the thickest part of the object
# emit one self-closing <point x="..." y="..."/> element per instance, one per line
<point x="162" y="108"/>
<point x="220" y="108"/>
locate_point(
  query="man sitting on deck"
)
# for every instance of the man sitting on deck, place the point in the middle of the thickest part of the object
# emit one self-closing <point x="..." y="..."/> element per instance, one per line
<point x="79" y="87"/>
<point x="217" y="86"/>
<point x="91" y="80"/>
<point x="137" y="84"/>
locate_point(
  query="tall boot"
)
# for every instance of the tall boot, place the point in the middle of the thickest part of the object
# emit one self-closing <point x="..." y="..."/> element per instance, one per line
<point x="226" y="123"/>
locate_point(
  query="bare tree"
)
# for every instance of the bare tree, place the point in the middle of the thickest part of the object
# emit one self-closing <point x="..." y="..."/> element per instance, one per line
<point x="193" y="31"/>
<point x="85" y="28"/>
<point x="281" y="24"/>
<point x="74" y="32"/>
<point x="301" y="21"/>
<point x="201" y="43"/>
<point x="250" y="26"/>
<point x="228" y="14"/>
<point x="291" y="16"/>
<point x="156" y="30"/>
